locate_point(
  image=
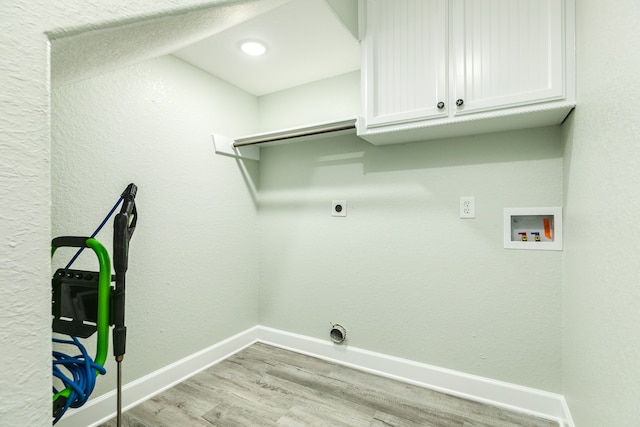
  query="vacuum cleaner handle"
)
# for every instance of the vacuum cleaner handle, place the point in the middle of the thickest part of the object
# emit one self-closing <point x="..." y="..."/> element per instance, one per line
<point x="124" y="224"/>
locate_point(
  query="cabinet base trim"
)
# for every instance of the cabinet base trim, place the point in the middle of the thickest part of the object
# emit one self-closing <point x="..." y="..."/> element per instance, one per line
<point x="465" y="125"/>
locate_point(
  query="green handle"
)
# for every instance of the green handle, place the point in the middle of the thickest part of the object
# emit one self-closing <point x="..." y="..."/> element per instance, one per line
<point x="104" y="295"/>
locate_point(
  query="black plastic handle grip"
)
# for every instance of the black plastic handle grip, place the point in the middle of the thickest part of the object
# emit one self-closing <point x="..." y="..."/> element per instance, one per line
<point x="70" y="242"/>
<point x="124" y="224"/>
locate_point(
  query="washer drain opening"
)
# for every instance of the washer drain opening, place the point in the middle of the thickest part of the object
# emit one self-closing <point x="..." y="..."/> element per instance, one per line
<point x="338" y="334"/>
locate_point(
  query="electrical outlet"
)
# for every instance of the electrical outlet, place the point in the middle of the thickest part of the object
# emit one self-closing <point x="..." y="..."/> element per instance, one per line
<point x="467" y="207"/>
<point x="338" y="208"/>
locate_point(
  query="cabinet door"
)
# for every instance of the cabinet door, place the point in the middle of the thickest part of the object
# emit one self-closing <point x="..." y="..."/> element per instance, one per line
<point x="405" y="71"/>
<point x="507" y="53"/>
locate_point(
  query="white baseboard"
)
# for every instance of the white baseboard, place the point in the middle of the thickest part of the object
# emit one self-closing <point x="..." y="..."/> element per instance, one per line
<point x="499" y="393"/>
<point x="512" y="396"/>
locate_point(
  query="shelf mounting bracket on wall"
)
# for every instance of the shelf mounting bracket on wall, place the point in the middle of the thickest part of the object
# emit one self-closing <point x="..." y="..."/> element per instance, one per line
<point x="224" y="146"/>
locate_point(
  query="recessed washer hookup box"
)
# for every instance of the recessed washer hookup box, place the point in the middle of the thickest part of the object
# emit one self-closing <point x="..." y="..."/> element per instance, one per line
<point x="533" y="228"/>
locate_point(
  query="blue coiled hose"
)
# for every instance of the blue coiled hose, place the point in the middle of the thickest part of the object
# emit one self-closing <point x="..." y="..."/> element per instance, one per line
<point x="83" y="372"/>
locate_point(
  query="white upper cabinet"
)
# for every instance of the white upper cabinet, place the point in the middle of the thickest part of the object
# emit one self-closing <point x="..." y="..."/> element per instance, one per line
<point x="440" y="68"/>
<point x="405" y="60"/>
<point x="507" y="52"/>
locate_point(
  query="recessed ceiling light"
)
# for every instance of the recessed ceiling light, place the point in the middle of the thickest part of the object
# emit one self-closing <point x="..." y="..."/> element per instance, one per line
<point x="253" y="48"/>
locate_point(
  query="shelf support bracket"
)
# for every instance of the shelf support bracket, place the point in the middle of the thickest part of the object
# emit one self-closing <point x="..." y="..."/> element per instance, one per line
<point x="224" y="145"/>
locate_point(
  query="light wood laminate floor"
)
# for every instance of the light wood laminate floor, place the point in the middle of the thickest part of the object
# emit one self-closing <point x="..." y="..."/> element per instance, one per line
<point x="267" y="386"/>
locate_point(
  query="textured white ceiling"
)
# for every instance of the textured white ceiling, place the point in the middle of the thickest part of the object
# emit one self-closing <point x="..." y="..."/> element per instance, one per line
<point x="97" y="51"/>
<point x="306" y="41"/>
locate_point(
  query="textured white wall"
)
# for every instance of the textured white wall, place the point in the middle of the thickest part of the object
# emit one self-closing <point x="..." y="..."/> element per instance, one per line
<point x="25" y="185"/>
<point x="402" y="272"/>
<point x="151" y="124"/>
<point x="336" y="98"/>
<point x="602" y="257"/>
